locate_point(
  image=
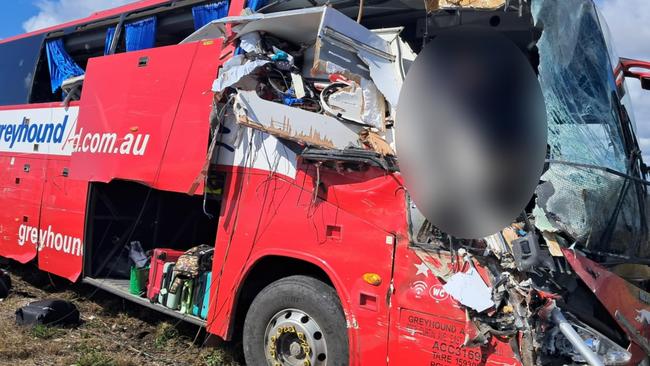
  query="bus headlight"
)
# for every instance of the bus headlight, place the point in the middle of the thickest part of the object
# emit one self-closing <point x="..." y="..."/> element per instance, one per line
<point x="607" y="350"/>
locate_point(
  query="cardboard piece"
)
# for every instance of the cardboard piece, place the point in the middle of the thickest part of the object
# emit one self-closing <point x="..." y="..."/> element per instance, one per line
<point x="469" y="289"/>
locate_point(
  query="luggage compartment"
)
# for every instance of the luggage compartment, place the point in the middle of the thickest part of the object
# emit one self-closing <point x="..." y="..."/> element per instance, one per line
<point x="166" y="224"/>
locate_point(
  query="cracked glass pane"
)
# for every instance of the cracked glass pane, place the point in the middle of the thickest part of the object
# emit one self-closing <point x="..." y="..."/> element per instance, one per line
<point x="599" y="210"/>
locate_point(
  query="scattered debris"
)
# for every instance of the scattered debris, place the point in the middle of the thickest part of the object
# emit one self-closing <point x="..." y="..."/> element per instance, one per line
<point x="113" y="332"/>
<point x="469" y="289"/>
<point x="312" y="76"/>
<point x="48" y="312"/>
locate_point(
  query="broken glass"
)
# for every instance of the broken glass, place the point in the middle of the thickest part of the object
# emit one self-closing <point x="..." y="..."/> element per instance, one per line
<point x="582" y="196"/>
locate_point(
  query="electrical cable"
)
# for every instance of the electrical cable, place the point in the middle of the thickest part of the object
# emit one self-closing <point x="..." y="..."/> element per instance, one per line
<point x="360" y="14"/>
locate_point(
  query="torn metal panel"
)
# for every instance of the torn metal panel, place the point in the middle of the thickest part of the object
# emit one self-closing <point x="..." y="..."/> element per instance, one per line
<point x="347" y="102"/>
<point x="340" y="40"/>
<point x="398" y="47"/>
<point x="383" y="74"/>
<point x="251" y="42"/>
<point x="357" y="103"/>
<point x="390" y="83"/>
<point x="267" y="152"/>
<point x="373" y="105"/>
<point x="238" y="73"/>
<point x="294" y="124"/>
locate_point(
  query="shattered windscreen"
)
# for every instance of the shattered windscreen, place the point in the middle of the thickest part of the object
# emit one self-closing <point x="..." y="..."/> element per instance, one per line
<point x="585" y="194"/>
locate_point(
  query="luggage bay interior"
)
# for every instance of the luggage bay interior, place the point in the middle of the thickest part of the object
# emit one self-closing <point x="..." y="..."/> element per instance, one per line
<point x="120" y="213"/>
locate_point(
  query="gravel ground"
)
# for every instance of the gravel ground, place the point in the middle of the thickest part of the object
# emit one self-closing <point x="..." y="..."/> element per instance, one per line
<point x="112" y="331"/>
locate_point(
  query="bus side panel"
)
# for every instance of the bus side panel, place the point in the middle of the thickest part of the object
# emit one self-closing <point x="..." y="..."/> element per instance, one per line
<point x="127" y="109"/>
<point x="21" y="197"/>
<point x="188" y="142"/>
<point x="8" y="227"/>
<point x="62" y="222"/>
<point x="265" y="214"/>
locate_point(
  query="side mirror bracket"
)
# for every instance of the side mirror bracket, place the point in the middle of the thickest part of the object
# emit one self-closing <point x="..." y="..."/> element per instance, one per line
<point x="637" y="69"/>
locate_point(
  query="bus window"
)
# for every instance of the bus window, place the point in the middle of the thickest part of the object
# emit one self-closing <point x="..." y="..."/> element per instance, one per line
<point x="80" y="46"/>
<point x="17" y="68"/>
<point x="165" y="26"/>
<point x="177" y="24"/>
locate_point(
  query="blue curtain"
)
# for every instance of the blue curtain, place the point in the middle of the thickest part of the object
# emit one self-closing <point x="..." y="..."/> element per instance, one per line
<point x="110" y="34"/>
<point x="256" y="5"/>
<point x="204" y="14"/>
<point x="61" y="65"/>
<point x="141" y="35"/>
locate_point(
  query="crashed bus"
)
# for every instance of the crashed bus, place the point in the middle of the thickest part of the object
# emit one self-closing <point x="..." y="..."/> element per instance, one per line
<point x="263" y="133"/>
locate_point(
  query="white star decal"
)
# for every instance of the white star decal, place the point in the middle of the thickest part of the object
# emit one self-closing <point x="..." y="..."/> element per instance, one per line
<point x="422" y="269"/>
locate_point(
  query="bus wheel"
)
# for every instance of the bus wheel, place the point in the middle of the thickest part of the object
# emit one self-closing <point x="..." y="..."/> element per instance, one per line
<point x="296" y="321"/>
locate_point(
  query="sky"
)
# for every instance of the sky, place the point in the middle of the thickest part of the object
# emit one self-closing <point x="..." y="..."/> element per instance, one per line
<point x="629" y="22"/>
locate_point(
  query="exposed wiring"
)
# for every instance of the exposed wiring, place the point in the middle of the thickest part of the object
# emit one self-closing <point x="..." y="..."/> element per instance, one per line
<point x="360" y="14"/>
<point x="215" y="134"/>
<point x="317" y="184"/>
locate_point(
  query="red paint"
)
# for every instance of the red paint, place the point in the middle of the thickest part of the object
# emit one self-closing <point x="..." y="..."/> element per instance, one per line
<point x="428" y="326"/>
<point x="63" y="211"/>
<point x="629" y="68"/>
<point x="616" y="294"/>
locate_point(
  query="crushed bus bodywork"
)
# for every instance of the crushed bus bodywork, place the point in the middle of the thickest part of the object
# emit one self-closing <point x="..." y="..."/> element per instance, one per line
<point x="545" y="290"/>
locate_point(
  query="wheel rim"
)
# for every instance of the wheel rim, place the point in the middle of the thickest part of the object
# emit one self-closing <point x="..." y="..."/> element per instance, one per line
<point x="293" y="338"/>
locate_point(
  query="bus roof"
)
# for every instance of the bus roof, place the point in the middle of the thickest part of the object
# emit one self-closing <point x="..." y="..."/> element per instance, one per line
<point x="136" y="5"/>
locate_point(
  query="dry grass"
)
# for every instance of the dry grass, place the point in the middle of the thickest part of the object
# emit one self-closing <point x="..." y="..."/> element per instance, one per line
<point x="113" y="332"/>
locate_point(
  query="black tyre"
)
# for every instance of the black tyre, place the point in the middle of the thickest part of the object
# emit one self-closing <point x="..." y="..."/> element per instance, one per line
<point x="296" y="321"/>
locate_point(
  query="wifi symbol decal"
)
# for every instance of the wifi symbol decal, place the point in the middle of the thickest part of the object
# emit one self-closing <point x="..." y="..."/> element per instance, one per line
<point x="419" y="288"/>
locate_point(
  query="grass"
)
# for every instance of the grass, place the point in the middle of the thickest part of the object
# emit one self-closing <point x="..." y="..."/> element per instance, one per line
<point x="219" y="357"/>
<point x="165" y="333"/>
<point x="91" y="353"/>
<point x="215" y="358"/>
<point x="44" y="332"/>
<point x="112" y="334"/>
<point x="94" y="358"/>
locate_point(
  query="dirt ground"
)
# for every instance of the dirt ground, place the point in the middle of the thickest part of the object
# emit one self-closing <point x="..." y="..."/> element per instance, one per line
<point x="112" y="331"/>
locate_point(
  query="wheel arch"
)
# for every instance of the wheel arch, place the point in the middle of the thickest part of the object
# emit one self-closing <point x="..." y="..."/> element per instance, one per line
<point x="269" y="268"/>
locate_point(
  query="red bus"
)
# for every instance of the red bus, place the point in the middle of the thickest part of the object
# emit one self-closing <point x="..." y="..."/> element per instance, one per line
<point x="110" y="133"/>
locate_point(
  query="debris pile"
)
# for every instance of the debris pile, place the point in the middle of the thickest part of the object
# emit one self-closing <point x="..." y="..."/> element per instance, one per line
<point x="311" y="76"/>
<point x="524" y="285"/>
